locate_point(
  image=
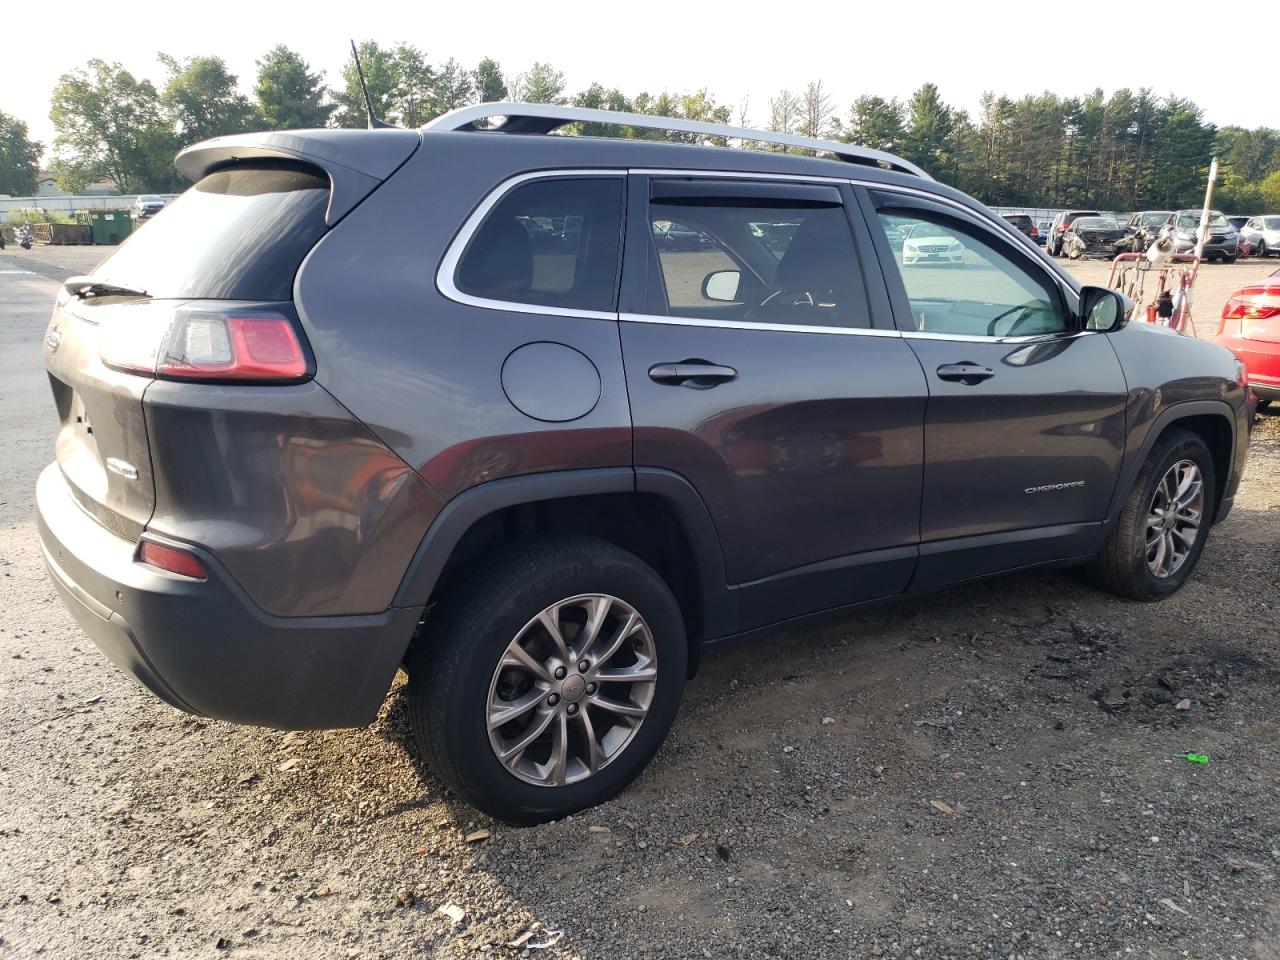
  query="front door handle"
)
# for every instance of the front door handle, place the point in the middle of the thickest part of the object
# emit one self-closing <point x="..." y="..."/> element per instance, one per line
<point x="966" y="372"/>
<point x="691" y="373"/>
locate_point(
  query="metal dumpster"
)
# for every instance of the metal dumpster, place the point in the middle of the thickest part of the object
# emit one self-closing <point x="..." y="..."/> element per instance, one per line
<point x="108" y="226"/>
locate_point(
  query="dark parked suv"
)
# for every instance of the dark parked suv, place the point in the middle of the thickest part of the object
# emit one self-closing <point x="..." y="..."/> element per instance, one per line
<point x="440" y="399"/>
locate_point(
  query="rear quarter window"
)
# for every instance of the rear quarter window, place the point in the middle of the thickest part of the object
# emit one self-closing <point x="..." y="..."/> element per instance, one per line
<point x="553" y="242"/>
<point x="240" y="233"/>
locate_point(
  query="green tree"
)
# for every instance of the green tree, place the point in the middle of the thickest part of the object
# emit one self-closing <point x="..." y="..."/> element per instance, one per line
<point x="488" y="82"/>
<point x="414" y="102"/>
<point x="382" y="74"/>
<point x="290" y="96"/>
<point x="876" y="123"/>
<point x="1269" y="190"/>
<point x="452" y="88"/>
<point x="202" y="99"/>
<point x="1184" y="147"/>
<point x="111" y="126"/>
<point x="541" y="84"/>
<point x="19" y="158"/>
<point x="928" y="129"/>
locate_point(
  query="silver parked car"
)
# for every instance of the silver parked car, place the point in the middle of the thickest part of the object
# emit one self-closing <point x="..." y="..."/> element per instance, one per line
<point x="1263" y="234"/>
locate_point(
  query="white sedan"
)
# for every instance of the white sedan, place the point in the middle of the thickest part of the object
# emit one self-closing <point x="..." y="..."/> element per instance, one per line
<point x="929" y="243"/>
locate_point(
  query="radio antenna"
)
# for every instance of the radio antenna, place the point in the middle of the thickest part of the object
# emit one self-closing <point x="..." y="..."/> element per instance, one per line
<point x="374" y="122"/>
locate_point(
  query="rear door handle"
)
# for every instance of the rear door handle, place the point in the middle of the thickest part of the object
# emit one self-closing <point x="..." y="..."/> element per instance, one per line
<point x="966" y="372"/>
<point x="691" y="373"/>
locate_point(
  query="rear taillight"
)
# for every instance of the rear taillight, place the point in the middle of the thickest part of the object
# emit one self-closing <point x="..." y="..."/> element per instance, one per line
<point x="205" y="343"/>
<point x="1241" y="308"/>
<point x="171" y="560"/>
<point x="1035" y="232"/>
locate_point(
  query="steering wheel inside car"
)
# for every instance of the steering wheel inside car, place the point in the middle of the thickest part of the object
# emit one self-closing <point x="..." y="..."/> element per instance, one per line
<point x="782" y="298"/>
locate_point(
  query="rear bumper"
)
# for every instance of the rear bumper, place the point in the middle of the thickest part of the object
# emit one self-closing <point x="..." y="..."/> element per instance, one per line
<point x="204" y="646"/>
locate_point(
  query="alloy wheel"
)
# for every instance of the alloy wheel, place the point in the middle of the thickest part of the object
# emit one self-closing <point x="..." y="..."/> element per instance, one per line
<point x="571" y="690"/>
<point x="1173" y="520"/>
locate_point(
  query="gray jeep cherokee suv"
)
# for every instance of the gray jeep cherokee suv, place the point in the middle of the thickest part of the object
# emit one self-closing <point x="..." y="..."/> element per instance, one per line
<point x="440" y="399"/>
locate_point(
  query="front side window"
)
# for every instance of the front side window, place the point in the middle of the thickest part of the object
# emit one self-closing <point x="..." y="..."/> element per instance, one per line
<point x="754" y="259"/>
<point x="552" y="242"/>
<point x="959" y="282"/>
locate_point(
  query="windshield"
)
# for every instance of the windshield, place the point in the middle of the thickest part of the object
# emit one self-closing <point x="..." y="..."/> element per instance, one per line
<point x="1272" y="223"/>
<point x="1190" y="221"/>
<point x="1154" y="219"/>
<point x="1097" y="223"/>
<point x="238" y="234"/>
<point x="922" y="231"/>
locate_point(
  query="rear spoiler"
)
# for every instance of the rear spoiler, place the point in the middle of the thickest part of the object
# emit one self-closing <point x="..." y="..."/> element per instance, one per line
<point x="355" y="160"/>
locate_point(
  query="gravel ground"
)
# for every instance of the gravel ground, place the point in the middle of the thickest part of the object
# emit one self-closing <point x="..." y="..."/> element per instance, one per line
<point x="988" y="772"/>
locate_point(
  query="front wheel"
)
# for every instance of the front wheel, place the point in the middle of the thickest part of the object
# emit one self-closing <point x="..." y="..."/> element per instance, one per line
<point x="549" y="683"/>
<point x="1164" y="522"/>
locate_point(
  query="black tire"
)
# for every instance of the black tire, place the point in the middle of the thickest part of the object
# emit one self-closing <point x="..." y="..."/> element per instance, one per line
<point x="1121" y="567"/>
<point x="1262" y="249"/>
<point x="466" y="636"/>
<point x="1230" y="259"/>
<point x="1263" y="404"/>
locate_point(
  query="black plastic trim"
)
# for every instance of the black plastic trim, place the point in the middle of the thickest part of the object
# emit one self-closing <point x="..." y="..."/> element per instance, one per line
<point x="1133" y="462"/>
<point x="204" y="646"/>
<point x="828" y="584"/>
<point x="479" y="501"/>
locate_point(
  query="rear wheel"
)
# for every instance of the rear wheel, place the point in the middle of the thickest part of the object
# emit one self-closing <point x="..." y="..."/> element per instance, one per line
<point x="1164" y="522"/>
<point x="548" y="685"/>
<point x="1262" y="249"/>
<point x="1230" y="259"/>
<point x="1263" y="404"/>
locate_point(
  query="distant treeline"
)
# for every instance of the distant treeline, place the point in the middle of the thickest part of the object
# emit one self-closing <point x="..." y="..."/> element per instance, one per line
<point x="1129" y="151"/>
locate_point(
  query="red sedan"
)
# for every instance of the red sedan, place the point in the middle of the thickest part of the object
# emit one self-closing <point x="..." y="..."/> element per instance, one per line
<point x="1250" y="329"/>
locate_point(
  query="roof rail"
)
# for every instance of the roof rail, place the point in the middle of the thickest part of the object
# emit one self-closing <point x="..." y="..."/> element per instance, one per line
<point x="545" y="117"/>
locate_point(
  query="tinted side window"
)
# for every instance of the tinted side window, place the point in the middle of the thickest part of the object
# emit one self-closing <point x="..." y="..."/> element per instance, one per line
<point x="551" y="242"/>
<point x="755" y="260"/>
<point x="959" y="282"/>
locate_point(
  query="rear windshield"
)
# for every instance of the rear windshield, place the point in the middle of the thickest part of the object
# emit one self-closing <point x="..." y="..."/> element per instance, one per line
<point x="1018" y="219"/>
<point x="238" y="234"/>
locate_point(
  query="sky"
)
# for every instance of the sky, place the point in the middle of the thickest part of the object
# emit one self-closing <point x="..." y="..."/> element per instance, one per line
<point x="741" y="51"/>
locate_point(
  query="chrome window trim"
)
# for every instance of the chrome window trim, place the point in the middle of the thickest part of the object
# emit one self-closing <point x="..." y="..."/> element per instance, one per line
<point x="448" y="268"/>
<point x="979" y="338"/>
<point x="755" y="325"/>
<point x="453" y="255"/>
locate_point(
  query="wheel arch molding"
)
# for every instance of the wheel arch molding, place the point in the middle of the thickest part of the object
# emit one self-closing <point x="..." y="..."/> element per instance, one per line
<point x="694" y="564"/>
<point x="1189" y="412"/>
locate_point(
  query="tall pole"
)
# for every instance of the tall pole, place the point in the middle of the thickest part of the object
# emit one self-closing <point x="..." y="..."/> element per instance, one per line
<point x="1203" y="233"/>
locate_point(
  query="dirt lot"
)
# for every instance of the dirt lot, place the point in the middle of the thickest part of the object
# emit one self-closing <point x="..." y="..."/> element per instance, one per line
<point x="989" y="772"/>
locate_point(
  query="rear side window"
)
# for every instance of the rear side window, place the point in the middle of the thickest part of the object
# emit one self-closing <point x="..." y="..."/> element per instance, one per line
<point x="239" y="234"/>
<point x="553" y="242"/>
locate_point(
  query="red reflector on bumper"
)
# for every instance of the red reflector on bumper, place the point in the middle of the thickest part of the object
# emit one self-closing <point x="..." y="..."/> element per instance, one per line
<point x="171" y="560"/>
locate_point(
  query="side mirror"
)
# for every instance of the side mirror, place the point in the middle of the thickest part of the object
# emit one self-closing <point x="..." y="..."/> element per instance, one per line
<point x="721" y="285"/>
<point x="1104" y="310"/>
